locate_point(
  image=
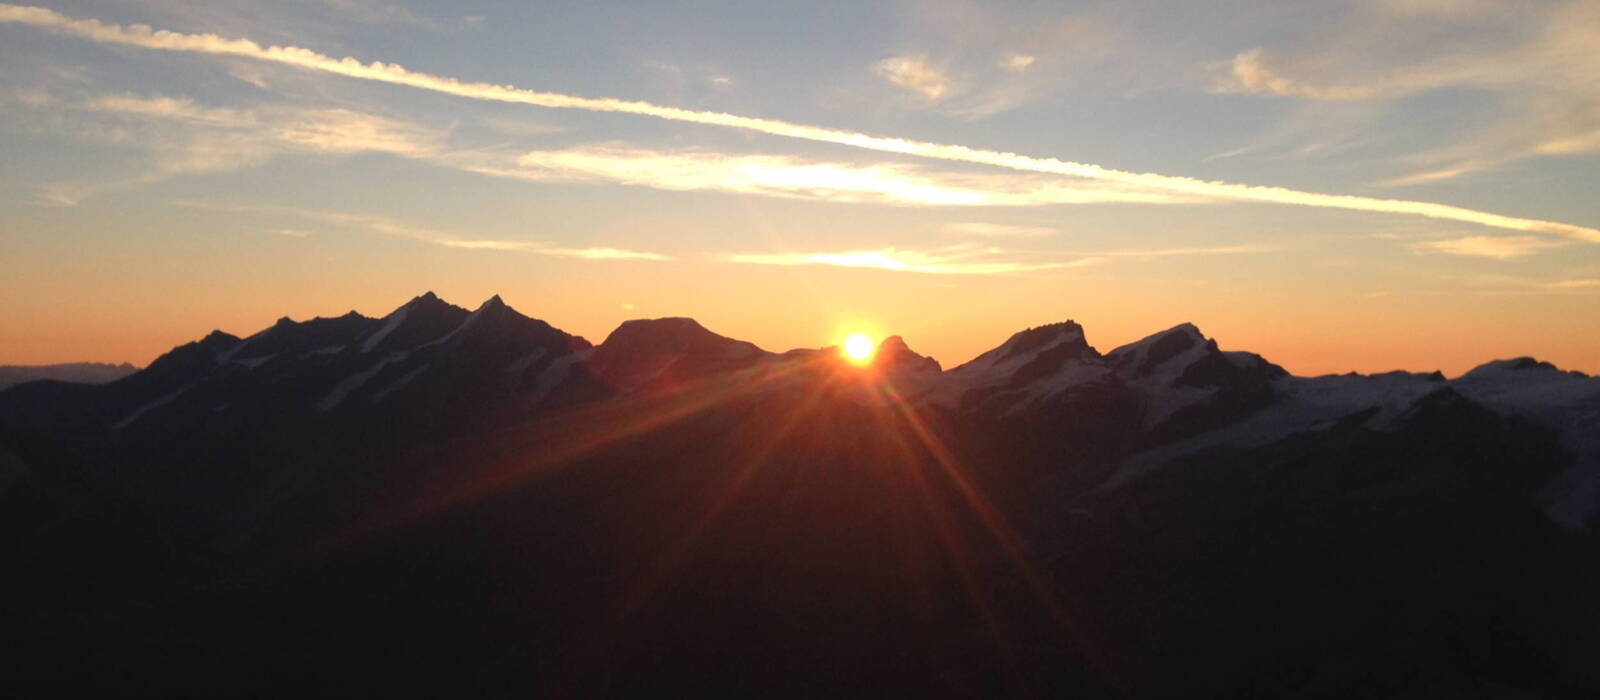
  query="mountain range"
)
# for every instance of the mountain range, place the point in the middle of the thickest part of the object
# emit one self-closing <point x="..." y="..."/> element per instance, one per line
<point x="80" y="372"/>
<point x="454" y="501"/>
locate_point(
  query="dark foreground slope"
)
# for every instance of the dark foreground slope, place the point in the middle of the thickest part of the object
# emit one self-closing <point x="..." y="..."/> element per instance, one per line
<point x="688" y="513"/>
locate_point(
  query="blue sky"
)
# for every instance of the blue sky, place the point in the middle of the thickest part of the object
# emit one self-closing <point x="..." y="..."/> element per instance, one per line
<point x="156" y="185"/>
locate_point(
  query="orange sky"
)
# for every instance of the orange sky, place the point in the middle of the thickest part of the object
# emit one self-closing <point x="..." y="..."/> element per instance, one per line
<point x="950" y="172"/>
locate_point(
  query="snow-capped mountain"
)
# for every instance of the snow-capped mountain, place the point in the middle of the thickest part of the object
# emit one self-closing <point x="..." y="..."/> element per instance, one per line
<point x="441" y="368"/>
<point x="476" y="494"/>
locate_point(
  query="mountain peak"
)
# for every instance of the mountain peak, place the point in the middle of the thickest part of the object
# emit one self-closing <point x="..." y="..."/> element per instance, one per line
<point x="667" y="323"/>
<point x="1143" y="356"/>
<point x="494" y="302"/>
<point x="423" y="299"/>
<point x="1518" y="364"/>
<point x="664" y="351"/>
<point x="894" y="354"/>
<point x="1060" y="340"/>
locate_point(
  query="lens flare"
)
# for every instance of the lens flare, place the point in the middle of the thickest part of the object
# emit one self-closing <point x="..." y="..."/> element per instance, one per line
<point x="859" y="349"/>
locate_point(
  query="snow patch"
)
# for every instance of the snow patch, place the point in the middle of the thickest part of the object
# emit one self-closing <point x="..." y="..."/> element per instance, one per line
<point x="254" y="362"/>
<point x="521" y="365"/>
<point x="555" y="373"/>
<point x="140" y="411"/>
<point x="1305" y="404"/>
<point x="1565" y="403"/>
<point x="391" y="323"/>
<point x="398" y="384"/>
<point x="319" y="352"/>
<point x="342" y="389"/>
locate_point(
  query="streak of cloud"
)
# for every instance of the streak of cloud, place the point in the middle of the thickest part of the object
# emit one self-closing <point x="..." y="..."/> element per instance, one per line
<point x="183" y="137"/>
<point x="988" y="230"/>
<point x="791" y="177"/>
<point x="953" y="260"/>
<point x="1184" y="252"/>
<point x="1497" y="247"/>
<point x="390" y="227"/>
<point x="1577" y="284"/>
<point x="146" y="37"/>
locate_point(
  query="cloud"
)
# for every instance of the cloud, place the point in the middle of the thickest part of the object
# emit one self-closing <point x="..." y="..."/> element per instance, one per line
<point x="184" y="137"/>
<point x="390" y="227"/>
<point x="1536" y="62"/>
<point x="1498" y="247"/>
<point x="1437" y="8"/>
<point x="954" y="260"/>
<point x="1177" y="252"/>
<point x="1017" y="62"/>
<point x="547" y="249"/>
<point x="1577" y="284"/>
<point x="280" y="127"/>
<point x="914" y="73"/>
<point x="1430" y="176"/>
<point x="1249" y="72"/>
<point x="979" y="228"/>
<point x="792" y="177"/>
<point x="142" y="36"/>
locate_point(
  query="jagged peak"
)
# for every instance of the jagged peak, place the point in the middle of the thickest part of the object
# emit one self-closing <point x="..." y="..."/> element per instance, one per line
<point x="1163" y="343"/>
<point x="1185" y="330"/>
<point x="1032" y="341"/>
<point x="894" y="353"/>
<point x="894" y="343"/>
<point x="494" y="302"/>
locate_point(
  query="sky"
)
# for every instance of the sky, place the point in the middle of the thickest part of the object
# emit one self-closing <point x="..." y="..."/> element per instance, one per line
<point x="1339" y="186"/>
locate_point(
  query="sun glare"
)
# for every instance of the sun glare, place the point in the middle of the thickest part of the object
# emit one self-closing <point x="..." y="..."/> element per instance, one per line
<point x="859" y="349"/>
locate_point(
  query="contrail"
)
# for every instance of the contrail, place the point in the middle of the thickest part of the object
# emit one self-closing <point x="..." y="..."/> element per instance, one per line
<point x="145" y="37"/>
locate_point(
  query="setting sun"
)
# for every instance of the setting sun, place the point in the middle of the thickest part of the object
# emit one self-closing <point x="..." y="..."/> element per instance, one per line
<point x="859" y="349"/>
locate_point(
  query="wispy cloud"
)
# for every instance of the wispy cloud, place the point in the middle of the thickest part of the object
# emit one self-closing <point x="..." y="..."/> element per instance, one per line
<point x="1017" y="62"/>
<point x="138" y="35"/>
<point x="1250" y="72"/>
<point x="792" y="177"/>
<point x="1183" y="252"/>
<point x="1498" y="247"/>
<point x="1537" y="60"/>
<point x="1577" y="284"/>
<point x="184" y="137"/>
<point x="988" y="230"/>
<point x="914" y="73"/>
<point x="391" y="227"/>
<point x="953" y="260"/>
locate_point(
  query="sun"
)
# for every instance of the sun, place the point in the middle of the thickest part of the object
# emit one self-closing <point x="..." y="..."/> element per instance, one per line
<point x="859" y="349"/>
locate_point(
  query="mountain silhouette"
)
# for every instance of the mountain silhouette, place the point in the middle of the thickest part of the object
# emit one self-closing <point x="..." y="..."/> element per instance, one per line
<point x="452" y="502"/>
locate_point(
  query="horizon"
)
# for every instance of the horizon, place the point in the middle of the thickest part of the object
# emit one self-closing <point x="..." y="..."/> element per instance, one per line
<point x="842" y="337"/>
<point x="1306" y="186"/>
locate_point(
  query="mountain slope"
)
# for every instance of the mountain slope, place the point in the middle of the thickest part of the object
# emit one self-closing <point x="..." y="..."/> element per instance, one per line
<point x="449" y="502"/>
